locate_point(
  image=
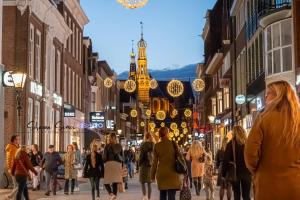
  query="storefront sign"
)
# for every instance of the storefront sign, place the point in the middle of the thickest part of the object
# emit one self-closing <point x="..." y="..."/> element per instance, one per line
<point x="259" y="103"/>
<point x="227" y="122"/>
<point x="7" y="79"/>
<point x="97" y="118"/>
<point x="110" y="124"/>
<point x="36" y="88"/>
<point x="217" y="121"/>
<point x="69" y="110"/>
<point x="240" y="99"/>
<point x="57" y="99"/>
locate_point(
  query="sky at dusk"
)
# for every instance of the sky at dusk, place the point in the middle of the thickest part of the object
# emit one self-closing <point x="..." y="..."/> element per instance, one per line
<point x="171" y="30"/>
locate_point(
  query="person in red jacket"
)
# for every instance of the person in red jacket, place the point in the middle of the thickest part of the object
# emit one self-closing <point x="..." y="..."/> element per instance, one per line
<point x="20" y="170"/>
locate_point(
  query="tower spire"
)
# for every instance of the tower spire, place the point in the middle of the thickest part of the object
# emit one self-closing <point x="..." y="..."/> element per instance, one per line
<point x="142" y="30"/>
<point x="132" y="51"/>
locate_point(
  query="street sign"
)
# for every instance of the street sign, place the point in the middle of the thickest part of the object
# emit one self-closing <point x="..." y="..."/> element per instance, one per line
<point x="69" y="110"/>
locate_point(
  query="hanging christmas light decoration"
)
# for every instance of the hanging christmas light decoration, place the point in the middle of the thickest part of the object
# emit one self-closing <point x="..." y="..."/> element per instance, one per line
<point x="161" y="115"/>
<point x="181" y="135"/>
<point x="129" y="86"/>
<point x="187" y="112"/>
<point x="173" y="126"/>
<point x="148" y="112"/>
<point x="133" y="4"/>
<point x="185" y="130"/>
<point x="176" y="132"/>
<point x="152" y="125"/>
<point x="175" y="112"/>
<point x="175" y="88"/>
<point x="183" y="124"/>
<point x="171" y="134"/>
<point x="108" y="82"/>
<point x="153" y="84"/>
<point x="162" y="124"/>
<point x="142" y="124"/>
<point x="198" y="85"/>
<point x="133" y="113"/>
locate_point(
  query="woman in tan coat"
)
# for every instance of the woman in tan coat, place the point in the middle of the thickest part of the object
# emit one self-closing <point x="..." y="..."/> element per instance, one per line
<point x="163" y="167"/>
<point x="70" y="173"/>
<point x="272" y="151"/>
<point x="197" y="154"/>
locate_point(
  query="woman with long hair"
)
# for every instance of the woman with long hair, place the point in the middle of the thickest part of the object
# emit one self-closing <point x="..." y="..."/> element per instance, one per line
<point x="145" y="163"/>
<point x="20" y="170"/>
<point x="234" y="153"/>
<point x="36" y="158"/>
<point x="273" y="146"/>
<point x="77" y="165"/>
<point x="94" y="169"/>
<point x="163" y="166"/>
<point x="222" y="182"/>
<point x="70" y="174"/>
<point x="113" y="160"/>
<point x="196" y="154"/>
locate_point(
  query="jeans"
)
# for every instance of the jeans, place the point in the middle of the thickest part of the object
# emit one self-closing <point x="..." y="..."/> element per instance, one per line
<point x="67" y="185"/>
<point x="114" y="189"/>
<point x="36" y="178"/>
<point x="15" y="186"/>
<point x="129" y="168"/>
<point x="167" y="193"/>
<point x="95" y="186"/>
<point x="245" y="186"/>
<point x="22" y="187"/>
<point x="53" y="176"/>
<point x="198" y="184"/>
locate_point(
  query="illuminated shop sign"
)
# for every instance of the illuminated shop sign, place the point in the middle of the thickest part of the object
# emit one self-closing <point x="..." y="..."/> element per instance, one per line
<point x="110" y="124"/>
<point x="69" y="110"/>
<point x="98" y="119"/>
<point x="7" y="79"/>
<point x="57" y="99"/>
<point x="240" y="99"/>
<point x="36" y="88"/>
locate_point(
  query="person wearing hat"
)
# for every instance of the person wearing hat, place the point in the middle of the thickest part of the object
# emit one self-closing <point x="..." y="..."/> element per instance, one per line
<point x="50" y="163"/>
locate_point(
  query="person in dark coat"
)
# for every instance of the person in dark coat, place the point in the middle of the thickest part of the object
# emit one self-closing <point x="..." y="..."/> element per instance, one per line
<point x="222" y="182"/>
<point x="188" y="165"/>
<point x="145" y="163"/>
<point x="242" y="185"/>
<point x="94" y="170"/>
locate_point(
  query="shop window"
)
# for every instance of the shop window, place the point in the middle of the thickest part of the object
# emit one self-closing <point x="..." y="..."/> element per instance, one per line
<point x="38" y="56"/>
<point x="57" y="132"/>
<point x="214" y="106"/>
<point x="226" y="98"/>
<point x="58" y="71"/>
<point x="220" y="101"/>
<point x="31" y="52"/>
<point x="52" y="122"/>
<point x="37" y="122"/>
<point x="29" y="121"/>
<point x="278" y="52"/>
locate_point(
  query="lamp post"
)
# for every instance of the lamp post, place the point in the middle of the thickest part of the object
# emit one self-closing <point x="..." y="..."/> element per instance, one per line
<point x="19" y="79"/>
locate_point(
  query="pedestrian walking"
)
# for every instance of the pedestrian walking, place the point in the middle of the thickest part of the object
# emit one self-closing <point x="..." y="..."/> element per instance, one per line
<point x="50" y="163"/>
<point x="20" y="170"/>
<point x="36" y="159"/>
<point x="69" y="160"/>
<point x="197" y="155"/>
<point x="83" y="156"/>
<point x="129" y="160"/>
<point x="11" y="150"/>
<point x="163" y="167"/>
<point x="272" y="149"/>
<point x="234" y="167"/>
<point x="77" y="165"/>
<point x="208" y="179"/>
<point x="145" y="163"/>
<point x="94" y="170"/>
<point x="113" y="159"/>
<point x="222" y="182"/>
<point x="189" y="166"/>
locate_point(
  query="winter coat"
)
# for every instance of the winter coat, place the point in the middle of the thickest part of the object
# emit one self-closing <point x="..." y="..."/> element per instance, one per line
<point x="51" y="161"/>
<point x="146" y="153"/>
<point x="275" y="166"/>
<point x="36" y="159"/>
<point x="22" y="165"/>
<point x="197" y="167"/>
<point x="241" y="170"/>
<point x="69" y="159"/>
<point x="11" y="150"/>
<point x="113" y="158"/>
<point x="98" y="170"/>
<point x="163" y="167"/>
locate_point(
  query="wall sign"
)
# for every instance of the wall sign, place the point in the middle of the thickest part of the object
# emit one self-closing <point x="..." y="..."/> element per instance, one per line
<point x="7" y="80"/>
<point x="36" y="88"/>
<point x="57" y="99"/>
<point x="240" y="99"/>
<point x="69" y="110"/>
<point x="98" y="119"/>
<point x="110" y="124"/>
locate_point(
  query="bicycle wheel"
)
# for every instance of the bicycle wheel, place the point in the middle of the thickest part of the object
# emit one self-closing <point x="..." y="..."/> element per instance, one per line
<point x="5" y="180"/>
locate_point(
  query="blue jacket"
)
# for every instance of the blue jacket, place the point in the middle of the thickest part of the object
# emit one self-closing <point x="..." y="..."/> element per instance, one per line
<point x="51" y="161"/>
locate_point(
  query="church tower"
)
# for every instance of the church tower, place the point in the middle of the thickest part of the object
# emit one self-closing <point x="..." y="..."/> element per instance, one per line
<point x="132" y="71"/>
<point x="143" y="78"/>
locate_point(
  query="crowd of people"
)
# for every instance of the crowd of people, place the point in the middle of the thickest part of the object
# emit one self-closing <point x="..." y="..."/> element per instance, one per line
<point x="266" y="163"/>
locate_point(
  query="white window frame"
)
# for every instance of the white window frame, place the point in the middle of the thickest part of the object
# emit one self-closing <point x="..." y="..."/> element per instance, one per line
<point x="57" y="132"/>
<point x="73" y="39"/>
<point x="31" y="51"/>
<point x="37" y="117"/>
<point x="76" y="92"/>
<point x="70" y="37"/>
<point x="38" y="49"/>
<point x="73" y="88"/>
<point x="58" y="71"/>
<point x="80" y="95"/>
<point x="220" y="101"/>
<point x="65" y="81"/>
<point x="29" y="120"/>
<point x="52" y="69"/>
<point x="80" y="48"/>
<point x="70" y="85"/>
<point x="226" y="93"/>
<point x="214" y="106"/>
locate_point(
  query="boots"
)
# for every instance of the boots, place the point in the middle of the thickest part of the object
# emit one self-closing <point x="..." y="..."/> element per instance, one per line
<point x="197" y="188"/>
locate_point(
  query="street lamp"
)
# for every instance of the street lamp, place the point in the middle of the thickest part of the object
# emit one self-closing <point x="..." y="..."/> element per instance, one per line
<point x="19" y="79"/>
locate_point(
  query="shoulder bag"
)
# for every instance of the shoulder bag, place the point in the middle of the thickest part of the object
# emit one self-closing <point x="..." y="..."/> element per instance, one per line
<point x="231" y="172"/>
<point x="180" y="165"/>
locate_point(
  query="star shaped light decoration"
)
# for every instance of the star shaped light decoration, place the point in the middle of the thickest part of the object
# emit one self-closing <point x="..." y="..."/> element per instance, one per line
<point x="133" y="4"/>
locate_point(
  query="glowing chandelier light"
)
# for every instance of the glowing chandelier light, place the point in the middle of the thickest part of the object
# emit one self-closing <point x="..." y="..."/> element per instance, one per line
<point x="108" y="82"/>
<point x="175" y="88"/>
<point x="129" y="86"/>
<point x="153" y="84"/>
<point x="198" y="85"/>
<point x="133" y="4"/>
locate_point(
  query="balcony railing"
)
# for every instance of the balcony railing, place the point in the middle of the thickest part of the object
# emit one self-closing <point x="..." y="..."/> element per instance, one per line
<point x="267" y="7"/>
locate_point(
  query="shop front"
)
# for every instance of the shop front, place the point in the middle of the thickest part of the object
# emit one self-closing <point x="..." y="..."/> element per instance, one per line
<point x="74" y="129"/>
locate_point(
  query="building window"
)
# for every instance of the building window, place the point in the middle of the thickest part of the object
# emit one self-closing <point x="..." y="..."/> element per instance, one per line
<point x="52" y="122"/>
<point x="57" y="142"/>
<point x="73" y="88"/>
<point x="80" y="47"/>
<point x="240" y="19"/>
<point x="80" y="95"/>
<point x="226" y="92"/>
<point x="73" y="40"/>
<point x="76" y="44"/>
<point x="52" y="69"/>
<point x="70" y="85"/>
<point x="29" y="120"/>
<point x="69" y="39"/>
<point x="278" y="52"/>
<point x="37" y="122"/>
<point x="76" y="92"/>
<point x="220" y="101"/>
<point x="31" y="52"/>
<point x="38" y="56"/>
<point x="214" y="106"/>
<point x="93" y="101"/>
<point x="58" y="71"/>
<point x="65" y="81"/>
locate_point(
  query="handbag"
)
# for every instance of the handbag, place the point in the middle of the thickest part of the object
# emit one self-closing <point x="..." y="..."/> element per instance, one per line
<point x="180" y="165"/>
<point x="185" y="193"/>
<point x="231" y="172"/>
<point x="77" y="166"/>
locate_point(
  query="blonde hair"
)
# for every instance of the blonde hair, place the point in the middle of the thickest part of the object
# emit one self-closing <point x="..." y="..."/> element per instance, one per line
<point x="239" y="134"/>
<point x="148" y="137"/>
<point x="196" y="148"/>
<point x="19" y="151"/>
<point x="287" y="103"/>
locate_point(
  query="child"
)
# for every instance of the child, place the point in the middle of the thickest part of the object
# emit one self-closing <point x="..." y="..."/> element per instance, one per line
<point x="209" y="178"/>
